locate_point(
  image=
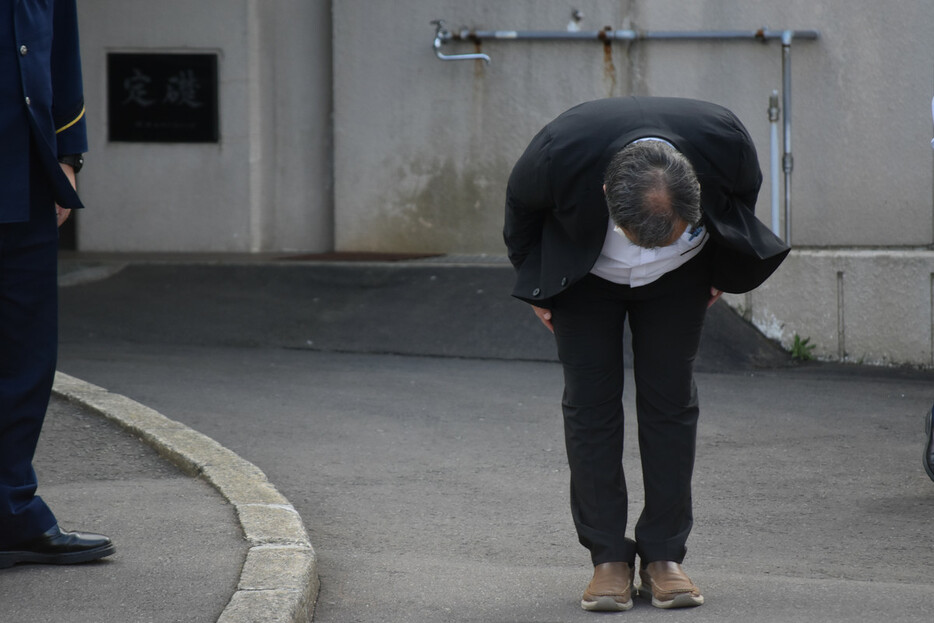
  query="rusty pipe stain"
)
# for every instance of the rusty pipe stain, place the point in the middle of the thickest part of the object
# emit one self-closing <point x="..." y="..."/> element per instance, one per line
<point x="609" y="67"/>
<point x="479" y="56"/>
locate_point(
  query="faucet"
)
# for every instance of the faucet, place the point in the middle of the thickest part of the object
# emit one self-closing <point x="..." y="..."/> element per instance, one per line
<point x="442" y="34"/>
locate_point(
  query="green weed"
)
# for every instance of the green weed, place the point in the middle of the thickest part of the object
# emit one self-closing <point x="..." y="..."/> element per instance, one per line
<point x="801" y="349"/>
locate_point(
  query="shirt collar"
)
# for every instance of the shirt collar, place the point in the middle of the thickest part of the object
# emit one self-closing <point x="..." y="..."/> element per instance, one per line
<point x="652" y="138"/>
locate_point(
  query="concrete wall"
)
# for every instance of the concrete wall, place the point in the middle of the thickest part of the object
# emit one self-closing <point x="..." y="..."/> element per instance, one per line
<point x="423" y="147"/>
<point x="868" y="306"/>
<point x="267" y="184"/>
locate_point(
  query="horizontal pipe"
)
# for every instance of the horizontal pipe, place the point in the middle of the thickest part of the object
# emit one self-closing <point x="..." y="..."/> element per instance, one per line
<point x="763" y="34"/>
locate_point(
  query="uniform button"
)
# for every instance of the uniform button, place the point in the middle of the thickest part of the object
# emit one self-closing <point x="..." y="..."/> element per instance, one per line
<point x="23" y="50"/>
<point x="536" y="291"/>
<point x="564" y="281"/>
<point x="28" y="101"/>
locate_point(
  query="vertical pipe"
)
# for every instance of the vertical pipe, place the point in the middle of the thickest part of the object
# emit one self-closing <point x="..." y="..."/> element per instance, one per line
<point x="932" y="319"/>
<point x="787" y="161"/>
<point x="774" y="160"/>
<point x="257" y="116"/>
<point x="841" y="319"/>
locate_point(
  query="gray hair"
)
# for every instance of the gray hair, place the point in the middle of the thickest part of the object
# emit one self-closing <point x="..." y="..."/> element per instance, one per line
<point x="650" y="187"/>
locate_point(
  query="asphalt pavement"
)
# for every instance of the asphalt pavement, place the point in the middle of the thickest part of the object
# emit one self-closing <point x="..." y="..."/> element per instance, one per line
<point x="179" y="546"/>
<point x="408" y="413"/>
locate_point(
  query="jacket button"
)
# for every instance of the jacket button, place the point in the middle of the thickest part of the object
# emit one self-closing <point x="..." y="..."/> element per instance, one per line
<point x="536" y="291"/>
<point x="564" y="281"/>
<point x="28" y="101"/>
<point x="23" y="50"/>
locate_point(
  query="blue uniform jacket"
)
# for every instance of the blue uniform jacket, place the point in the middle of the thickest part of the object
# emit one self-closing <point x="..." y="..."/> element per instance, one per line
<point x="41" y="100"/>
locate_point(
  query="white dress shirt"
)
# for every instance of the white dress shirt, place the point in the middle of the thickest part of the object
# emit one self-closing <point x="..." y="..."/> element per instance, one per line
<point x="622" y="261"/>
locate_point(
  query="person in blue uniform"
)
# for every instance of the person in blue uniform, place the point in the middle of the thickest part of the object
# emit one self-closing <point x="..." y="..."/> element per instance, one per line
<point x="43" y="133"/>
<point x="928" y="457"/>
<point x="928" y="461"/>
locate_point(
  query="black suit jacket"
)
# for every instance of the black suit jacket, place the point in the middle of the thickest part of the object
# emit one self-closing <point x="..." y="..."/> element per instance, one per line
<point x="556" y="213"/>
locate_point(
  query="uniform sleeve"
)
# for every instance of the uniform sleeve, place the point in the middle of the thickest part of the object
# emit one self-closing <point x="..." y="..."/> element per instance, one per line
<point x="528" y="199"/>
<point x="67" y="90"/>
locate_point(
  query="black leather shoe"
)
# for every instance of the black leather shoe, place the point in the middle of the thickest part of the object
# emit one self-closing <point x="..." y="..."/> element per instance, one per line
<point x="929" y="443"/>
<point x="56" y="547"/>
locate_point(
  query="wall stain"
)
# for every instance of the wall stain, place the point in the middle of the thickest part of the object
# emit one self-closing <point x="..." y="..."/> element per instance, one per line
<point x="439" y="206"/>
<point x="609" y="68"/>
<point x="479" y="64"/>
<point x="633" y="51"/>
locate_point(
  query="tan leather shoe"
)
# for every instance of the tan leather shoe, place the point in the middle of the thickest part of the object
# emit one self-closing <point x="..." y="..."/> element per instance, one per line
<point x="668" y="586"/>
<point x="610" y="589"/>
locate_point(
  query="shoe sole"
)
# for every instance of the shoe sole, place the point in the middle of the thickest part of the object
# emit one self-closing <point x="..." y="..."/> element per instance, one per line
<point x="685" y="600"/>
<point x="927" y="431"/>
<point x="605" y="604"/>
<point x="70" y="558"/>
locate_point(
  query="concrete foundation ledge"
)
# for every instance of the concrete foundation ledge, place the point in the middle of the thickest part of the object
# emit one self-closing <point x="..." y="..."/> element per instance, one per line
<point x="279" y="578"/>
<point x="868" y="306"/>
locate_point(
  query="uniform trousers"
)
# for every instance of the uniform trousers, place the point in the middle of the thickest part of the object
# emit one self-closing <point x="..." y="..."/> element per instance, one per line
<point x="665" y="319"/>
<point x="28" y="351"/>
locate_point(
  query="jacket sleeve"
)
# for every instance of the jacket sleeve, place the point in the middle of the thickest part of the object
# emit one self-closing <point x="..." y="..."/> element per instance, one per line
<point x="747" y="252"/>
<point x="528" y="199"/>
<point x="67" y="90"/>
<point x="748" y="177"/>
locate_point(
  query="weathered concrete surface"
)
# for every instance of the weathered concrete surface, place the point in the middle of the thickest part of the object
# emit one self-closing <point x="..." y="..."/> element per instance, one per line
<point x="868" y="306"/>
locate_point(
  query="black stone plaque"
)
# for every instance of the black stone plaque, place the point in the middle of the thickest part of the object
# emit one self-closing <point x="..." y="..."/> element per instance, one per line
<point x="163" y="98"/>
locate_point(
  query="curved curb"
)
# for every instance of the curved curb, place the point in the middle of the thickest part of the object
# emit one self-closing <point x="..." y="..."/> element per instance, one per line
<point x="279" y="579"/>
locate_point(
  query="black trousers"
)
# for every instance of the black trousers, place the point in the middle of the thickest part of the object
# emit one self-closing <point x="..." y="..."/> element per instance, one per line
<point x="665" y="318"/>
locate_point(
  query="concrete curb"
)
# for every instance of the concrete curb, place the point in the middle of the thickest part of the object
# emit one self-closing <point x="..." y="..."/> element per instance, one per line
<point x="279" y="579"/>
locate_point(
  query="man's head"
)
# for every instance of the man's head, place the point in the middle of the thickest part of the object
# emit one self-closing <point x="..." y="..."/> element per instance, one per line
<point x="652" y="193"/>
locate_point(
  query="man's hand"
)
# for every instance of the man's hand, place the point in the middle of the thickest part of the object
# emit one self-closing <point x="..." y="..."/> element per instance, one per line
<point x="714" y="295"/>
<point x="61" y="214"/>
<point x="545" y="316"/>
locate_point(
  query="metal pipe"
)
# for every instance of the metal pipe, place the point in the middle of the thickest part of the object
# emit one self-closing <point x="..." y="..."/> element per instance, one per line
<point x="442" y="35"/>
<point x="774" y="160"/>
<point x="762" y="34"/>
<point x="787" y="160"/>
